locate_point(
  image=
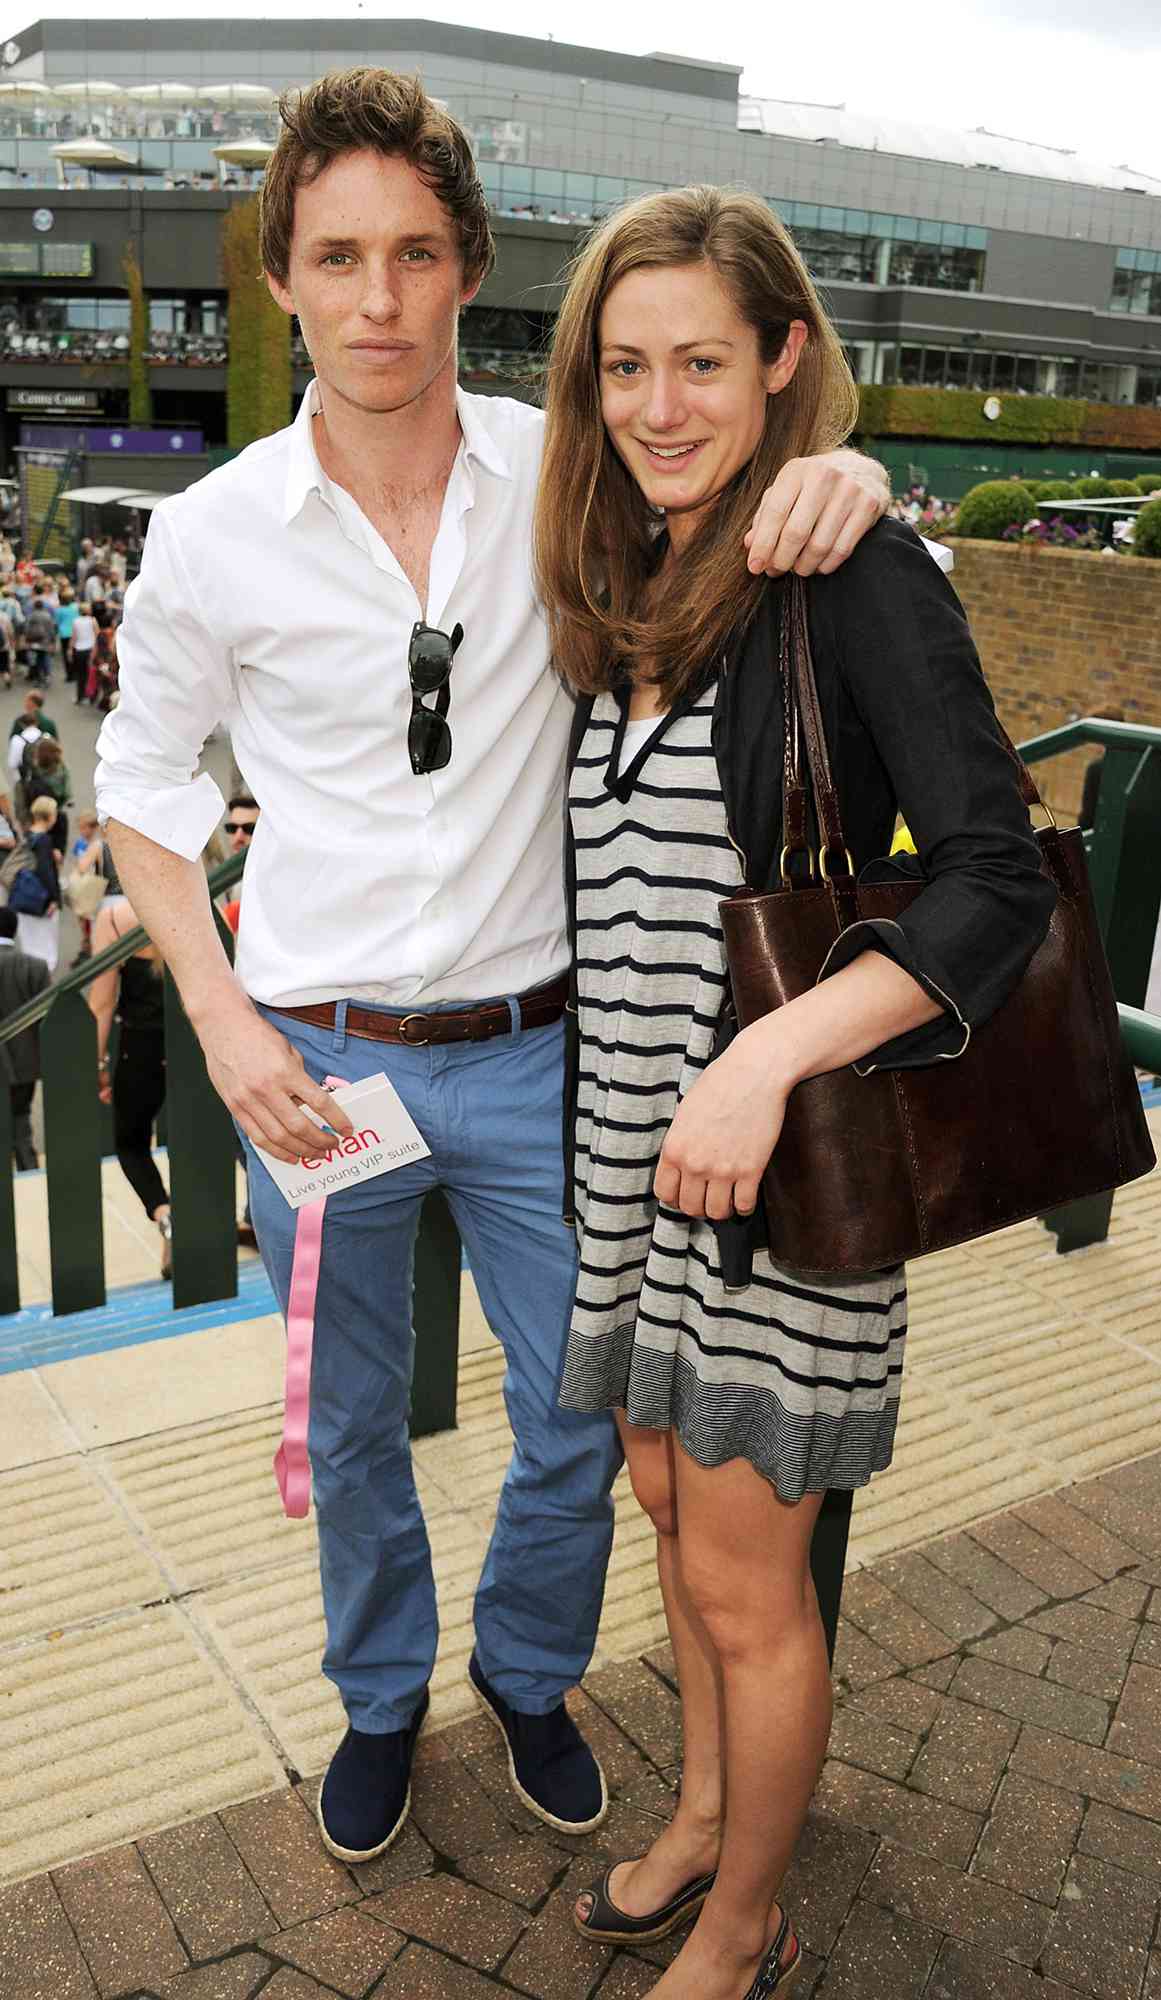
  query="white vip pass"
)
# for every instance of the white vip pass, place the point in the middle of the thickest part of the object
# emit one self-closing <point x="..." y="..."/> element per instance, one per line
<point x="385" y="1137"/>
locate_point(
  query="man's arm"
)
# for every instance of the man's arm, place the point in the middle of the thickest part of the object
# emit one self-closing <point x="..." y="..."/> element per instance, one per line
<point x="816" y="512"/>
<point x="260" y="1078"/>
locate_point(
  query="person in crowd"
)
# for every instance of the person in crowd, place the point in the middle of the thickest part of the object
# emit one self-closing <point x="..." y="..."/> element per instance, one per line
<point x="239" y="831"/>
<point x="44" y="774"/>
<point x="691" y="356"/>
<point x="12" y="618"/>
<point x="96" y="585"/>
<point x="133" y="994"/>
<point x="38" y="931"/>
<point x="85" y="562"/>
<point x="7" y="557"/>
<point x="66" y="618"/>
<point x="40" y="639"/>
<point x="7" y="649"/>
<point x="91" y="860"/>
<point x="33" y="715"/>
<point x="84" y="641"/>
<point x="101" y="684"/>
<point x="22" y="977"/>
<point x="426" y="907"/>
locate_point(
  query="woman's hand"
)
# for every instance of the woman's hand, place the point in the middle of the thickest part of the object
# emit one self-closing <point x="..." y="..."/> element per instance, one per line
<point x="104" y="1083"/>
<point x="720" y="1141"/>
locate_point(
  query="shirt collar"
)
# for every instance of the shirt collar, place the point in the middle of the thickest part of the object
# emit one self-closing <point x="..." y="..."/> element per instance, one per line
<point x="305" y="475"/>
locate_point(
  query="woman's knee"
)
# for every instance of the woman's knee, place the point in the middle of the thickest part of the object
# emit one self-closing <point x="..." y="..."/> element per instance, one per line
<point x="651" y="1477"/>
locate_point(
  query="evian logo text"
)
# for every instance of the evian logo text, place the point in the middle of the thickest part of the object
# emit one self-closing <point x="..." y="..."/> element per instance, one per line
<point x="360" y="1142"/>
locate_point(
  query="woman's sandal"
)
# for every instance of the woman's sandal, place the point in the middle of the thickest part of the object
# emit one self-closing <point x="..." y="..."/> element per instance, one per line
<point x="609" y="1925"/>
<point x="772" y="1976"/>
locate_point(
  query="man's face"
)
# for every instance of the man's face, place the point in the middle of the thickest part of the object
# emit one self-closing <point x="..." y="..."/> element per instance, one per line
<point x="376" y="280"/>
<point x="240" y="827"/>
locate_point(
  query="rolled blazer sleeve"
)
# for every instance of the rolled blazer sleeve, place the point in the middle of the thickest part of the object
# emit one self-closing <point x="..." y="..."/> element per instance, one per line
<point x="906" y="655"/>
<point x="176" y="682"/>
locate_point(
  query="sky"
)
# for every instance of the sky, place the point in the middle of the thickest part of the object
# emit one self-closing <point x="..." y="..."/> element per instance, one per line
<point x="1062" y="72"/>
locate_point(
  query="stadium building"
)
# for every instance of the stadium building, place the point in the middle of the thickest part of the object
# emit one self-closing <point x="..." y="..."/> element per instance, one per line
<point x="1000" y="300"/>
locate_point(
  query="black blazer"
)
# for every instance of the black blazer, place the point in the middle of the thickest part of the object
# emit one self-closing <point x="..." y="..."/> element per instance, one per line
<point x="910" y="728"/>
<point x="22" y="977"/>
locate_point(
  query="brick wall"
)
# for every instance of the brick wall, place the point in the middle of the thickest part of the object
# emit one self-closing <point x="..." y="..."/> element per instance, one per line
<point x="1063" y="633"/>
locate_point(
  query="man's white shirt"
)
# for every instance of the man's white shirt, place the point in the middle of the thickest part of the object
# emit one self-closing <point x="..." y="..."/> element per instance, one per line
<point x="267" y="601"/>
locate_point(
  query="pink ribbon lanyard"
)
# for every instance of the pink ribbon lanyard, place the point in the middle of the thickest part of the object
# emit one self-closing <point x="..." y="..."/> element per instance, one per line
<point x="292" y="1459"/>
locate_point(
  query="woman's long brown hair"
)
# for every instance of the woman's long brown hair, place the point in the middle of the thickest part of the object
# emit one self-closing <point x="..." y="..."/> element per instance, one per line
<point x="595" y="534"/>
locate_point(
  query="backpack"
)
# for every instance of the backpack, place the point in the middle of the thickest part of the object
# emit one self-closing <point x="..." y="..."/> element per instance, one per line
<point x="28" y="895"/>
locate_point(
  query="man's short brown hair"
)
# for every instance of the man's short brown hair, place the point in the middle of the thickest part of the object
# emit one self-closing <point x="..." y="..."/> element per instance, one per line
<point x="379" y="111"/>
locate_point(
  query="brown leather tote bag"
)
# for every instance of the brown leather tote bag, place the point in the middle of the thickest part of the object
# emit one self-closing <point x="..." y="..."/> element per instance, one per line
<point x="1042" y="1108"/>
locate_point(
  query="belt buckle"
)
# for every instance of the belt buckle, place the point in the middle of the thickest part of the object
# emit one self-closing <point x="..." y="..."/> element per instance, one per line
<point x="418" y="1041"/>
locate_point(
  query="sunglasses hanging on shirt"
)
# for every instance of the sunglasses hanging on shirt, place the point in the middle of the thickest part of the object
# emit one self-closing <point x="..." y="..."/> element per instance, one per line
<point x="429" y="665"/>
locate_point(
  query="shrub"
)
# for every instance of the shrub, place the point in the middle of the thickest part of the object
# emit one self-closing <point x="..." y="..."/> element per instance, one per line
<point x="1056" y="489"/>
<point x="1149" y="482"/>
<point x="1094" y="489"/>
<point x="1147" y="533"/>
<point x="1119" y="487"/>
<point x="988" y="509"/>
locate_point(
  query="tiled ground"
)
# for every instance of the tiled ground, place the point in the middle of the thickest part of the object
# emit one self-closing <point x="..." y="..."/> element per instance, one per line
<point x="988" y="1826"/>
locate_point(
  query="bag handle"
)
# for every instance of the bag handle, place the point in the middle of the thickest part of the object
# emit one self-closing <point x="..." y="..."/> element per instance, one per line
<point x="802" y="716"/>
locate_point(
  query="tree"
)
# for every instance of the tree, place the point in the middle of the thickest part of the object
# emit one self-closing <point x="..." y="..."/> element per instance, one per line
<point x="140" y="387"/>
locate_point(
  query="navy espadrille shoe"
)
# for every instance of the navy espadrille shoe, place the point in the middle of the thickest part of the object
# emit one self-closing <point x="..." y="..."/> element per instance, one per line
<point x="366" y="1793"/>
<point x="552" y="1770"/>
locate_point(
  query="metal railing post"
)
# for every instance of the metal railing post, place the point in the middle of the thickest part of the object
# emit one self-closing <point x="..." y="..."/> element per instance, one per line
<point x="202" y="1185"/>
<point x="1124" y="866"/>
<point x="72" y="1150"/>
<point x="9" y="1268"/>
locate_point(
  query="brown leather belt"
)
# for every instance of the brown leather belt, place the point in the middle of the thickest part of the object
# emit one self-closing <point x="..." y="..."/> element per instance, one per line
<point x="540" y="1007"/>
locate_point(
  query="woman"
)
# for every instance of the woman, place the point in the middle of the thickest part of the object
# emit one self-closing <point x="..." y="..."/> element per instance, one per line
<point x="133" y="994"/>
<point x="46" y="775"/>
<point x="691" y="359"/>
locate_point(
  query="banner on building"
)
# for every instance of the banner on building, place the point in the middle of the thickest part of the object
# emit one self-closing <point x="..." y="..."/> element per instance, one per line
<point x="43" y="474"/>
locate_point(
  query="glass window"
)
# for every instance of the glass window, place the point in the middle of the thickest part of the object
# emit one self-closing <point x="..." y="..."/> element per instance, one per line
<point x="858" y="222"/>
<point x="806" y="215"/>
<point x="953" y="235"/>
<point x="934" y="367"/>
<point x="1067" y="378"/>
<point x="977" y="239"/>
<point x="888" y="363"/>
<point x="883" y="225"/>
<point x="958" y="368"/>
<point x="1026" y="373"/>
<point x="1126" y="260"/>
<point x="980" y="376"/>
<point x="548" y="186"/>
<point x="930" y="232"/>
<point x="1003" y="371"/>
<point x="831" y="218"/>
<point x="911" y="366"/>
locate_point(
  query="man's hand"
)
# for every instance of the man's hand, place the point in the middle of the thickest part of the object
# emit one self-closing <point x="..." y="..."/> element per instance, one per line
<point x="262" y="1080"/>
<point x="816" y="512"/>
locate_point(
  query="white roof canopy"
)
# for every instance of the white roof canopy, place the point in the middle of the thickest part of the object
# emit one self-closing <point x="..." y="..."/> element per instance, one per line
<point x="116" y="496"/>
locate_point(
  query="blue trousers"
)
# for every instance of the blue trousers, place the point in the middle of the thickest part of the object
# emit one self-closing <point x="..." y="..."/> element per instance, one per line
<point x="490" y="1112"/>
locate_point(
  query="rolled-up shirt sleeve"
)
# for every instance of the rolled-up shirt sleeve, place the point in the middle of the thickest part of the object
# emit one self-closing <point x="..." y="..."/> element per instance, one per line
<point x="914" y="676"/>
<point x="176" y="683"/>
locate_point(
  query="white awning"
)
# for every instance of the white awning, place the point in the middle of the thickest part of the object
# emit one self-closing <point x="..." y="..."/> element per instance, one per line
<point x="146" y="501"/>
<point x="97" y="496"/>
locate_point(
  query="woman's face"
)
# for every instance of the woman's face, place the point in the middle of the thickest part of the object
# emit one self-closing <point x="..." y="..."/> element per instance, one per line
<point x="684" y="386"/>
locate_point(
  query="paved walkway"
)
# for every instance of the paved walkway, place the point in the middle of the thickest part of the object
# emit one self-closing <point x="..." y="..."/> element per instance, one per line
<point x="988" y="1826"/>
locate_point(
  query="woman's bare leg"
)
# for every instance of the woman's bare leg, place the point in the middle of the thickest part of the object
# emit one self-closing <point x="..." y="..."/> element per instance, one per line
<point x="745" y="1558"/>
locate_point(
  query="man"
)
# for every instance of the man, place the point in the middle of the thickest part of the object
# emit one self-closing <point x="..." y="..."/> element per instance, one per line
<point x="404" y="904"/>
<point x="40" y="638"/>
<point x="32" y="716"/>
<point x="22" y="977"/>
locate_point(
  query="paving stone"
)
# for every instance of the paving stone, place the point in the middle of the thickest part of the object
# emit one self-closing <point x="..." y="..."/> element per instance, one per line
<point x="994" y="1582"/>
<point x="121" y="1923"/>
<point x="619" y="1757"/>
<point x="206" y="1887"/>
<point x="1080" y="1716"/>
<point x="964" y="1755"/>
<point x="1044" y="1563"/>
<point x="890" y="1622"/>
<point x="857" y="1659"/>
<point x="450" y="1806"/>
<point x="661" y="1659"/>
<point x="1122" y="1838"/>
<point x="942" y="1601"/>
<point x="901" y="1702"/>
<point x="1102" y="1929"/>
<point x="1028" y="1652"/>
<point x="928" y="1826"/>
<point x="627" y="1979"/>
<point x="874" y="1939"/>
<point x="552" y="1960"/>
<point x="1088" y="1672"/>
<point x="289" y="1985"/>
<point x="1075" y="1767"/>
<point x="523" y="1870"/>
<point x="1029" y="1838"/>
<point x="939" y="1675"/>
<point x="1133" y="1519"/>
<point x="457" y="1917"/>
<point x="282" y="1848"/>
<point x="422" y="1974"/>
<point x="231" y="1979"/>
<point x="347" y="1949"/>
<point x="823" y="1879"/>
<point x="642" y="1705"/>
<point x="1153" y="1977"/>
<point x="1081" y="1536"/>
<point x="408" y="1857"/>
<point x="866" y="1740"/>
<point x="40" y="1958"/>
<point x="626" y="1830"/>
<point x="979" y="1912"/>
<point x="1136" y="1729"/>
<point x="1127" y="1596"/>
<point x="964" y="1972"/>
<point x="1147" y="1651"/>
<point x="1099" y="1630"/>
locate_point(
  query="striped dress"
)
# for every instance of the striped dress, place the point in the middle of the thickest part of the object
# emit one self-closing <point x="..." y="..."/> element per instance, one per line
<point x="800" y="1377"/>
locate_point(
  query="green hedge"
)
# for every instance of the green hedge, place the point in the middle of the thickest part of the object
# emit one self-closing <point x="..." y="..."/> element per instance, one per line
<point x="258" y="375"/>
<point x="140" y="386"/>
<point x="989" y="508"/>
<point x="1095" y="488"/>
<point x="1148" y="482"/>
<point x="959" y="413"/>
<point x="1055" y="489"/>
<point x="1147" y="533"/>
